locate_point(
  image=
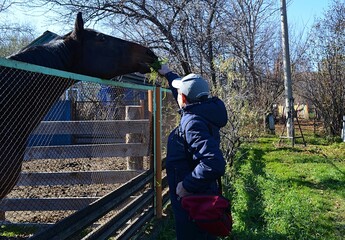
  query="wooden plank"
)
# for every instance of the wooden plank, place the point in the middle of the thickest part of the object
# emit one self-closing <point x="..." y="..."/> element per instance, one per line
<point x="132" y="113"/>
<point x="72" y="178"/>
<point x="158" y="155"/>
<point x="87" y="139"/>
<point x="113" y="225"/>
<point x="120" y="127"/>
<point x="87" y="151"/>
<point x="136" y="224"/>
<point x="45" y="204"/>
<point x="79" y="220"/>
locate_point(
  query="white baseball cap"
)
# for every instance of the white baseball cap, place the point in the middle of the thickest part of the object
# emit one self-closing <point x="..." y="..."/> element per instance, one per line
<point x="193" y="86"/>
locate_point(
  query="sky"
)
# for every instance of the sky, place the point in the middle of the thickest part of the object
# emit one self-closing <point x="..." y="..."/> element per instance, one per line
<point x="301" y="13"/>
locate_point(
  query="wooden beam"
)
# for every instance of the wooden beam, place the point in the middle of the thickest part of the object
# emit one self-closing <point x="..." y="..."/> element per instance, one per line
<point x="73" y="178"/>
<point x="120" y="127"/>
<point x="79" y="220"/>
<point x="111" y="227"/>
<point x="45" y="204"/>
<point x="92" y="139"/>
<point x="87" y="151"/>
<point x="132" y="113"/>
<point x="158" y="154"/>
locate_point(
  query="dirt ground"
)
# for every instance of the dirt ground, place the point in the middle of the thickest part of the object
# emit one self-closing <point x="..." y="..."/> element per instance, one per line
<point x="62" y="165"/>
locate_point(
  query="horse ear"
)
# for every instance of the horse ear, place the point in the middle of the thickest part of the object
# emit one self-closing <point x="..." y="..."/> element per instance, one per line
<point x="78" y="26"/>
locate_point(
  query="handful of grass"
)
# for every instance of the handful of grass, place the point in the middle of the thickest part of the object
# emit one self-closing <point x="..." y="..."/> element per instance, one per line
<point x="153" y="75"/>
<point x="157" y="64"/>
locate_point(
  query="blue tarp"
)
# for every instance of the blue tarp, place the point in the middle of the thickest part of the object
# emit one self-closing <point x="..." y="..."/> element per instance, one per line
<point x="61" y="111"/>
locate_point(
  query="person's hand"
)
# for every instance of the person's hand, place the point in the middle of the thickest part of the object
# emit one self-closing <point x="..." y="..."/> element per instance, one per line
<point x="164" y="69"/>
<point x="181" y="191"/>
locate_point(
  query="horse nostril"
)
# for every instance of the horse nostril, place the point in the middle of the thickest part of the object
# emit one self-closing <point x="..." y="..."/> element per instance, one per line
<point x="144" y="68"/>
<point x="151" y="54"/>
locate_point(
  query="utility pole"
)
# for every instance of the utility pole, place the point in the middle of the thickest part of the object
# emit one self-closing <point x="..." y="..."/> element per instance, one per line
<point x="289" y="102"/>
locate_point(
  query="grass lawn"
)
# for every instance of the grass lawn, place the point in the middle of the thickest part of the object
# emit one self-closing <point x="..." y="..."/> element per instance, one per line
<point x="283" y="192"/>
<point x="280" y="192"/>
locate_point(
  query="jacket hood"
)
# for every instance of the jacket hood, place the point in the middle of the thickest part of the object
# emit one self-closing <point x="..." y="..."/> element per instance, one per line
<point x="212" y="110"/>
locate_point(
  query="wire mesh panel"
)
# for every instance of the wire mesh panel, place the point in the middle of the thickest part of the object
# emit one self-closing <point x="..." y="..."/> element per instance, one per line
<point x="66" y="143"/>
<point x="170" y="117"/>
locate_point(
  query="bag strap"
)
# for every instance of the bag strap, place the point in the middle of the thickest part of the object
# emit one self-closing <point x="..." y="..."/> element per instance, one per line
<point x="209" y="126"/>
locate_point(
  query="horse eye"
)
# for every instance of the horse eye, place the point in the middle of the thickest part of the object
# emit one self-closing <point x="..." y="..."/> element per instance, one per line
<point x="100" y="37"/>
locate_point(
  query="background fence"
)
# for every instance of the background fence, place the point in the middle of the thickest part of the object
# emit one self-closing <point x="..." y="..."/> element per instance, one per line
<point x="93" y="165"/>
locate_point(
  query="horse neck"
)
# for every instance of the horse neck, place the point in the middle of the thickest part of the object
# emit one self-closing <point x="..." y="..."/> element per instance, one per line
<point x="57" y="55"/>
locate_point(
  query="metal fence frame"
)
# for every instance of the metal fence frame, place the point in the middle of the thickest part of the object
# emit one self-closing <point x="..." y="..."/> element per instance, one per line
<point x="78" y="221"/>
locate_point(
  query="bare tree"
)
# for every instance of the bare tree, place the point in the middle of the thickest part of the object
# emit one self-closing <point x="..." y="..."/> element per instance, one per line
<point x="202" y="36"/>
<point x="192" y="31"/>
<point x="187" y="31"/>
<point x="253" y="35"/>
<point x="12" y="42"/>
<point x="13" y="36"/>
<point x="5" y="4"/>
<point x="325" y="85"/>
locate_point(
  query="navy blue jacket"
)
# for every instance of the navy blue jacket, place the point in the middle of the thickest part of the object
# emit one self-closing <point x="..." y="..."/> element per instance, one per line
<point x="193" y="153"/>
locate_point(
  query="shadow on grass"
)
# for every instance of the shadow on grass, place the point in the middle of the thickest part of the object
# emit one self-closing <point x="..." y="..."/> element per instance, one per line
<point x="287" y="149"/>
<point x="252" y="215"/>
<point x="330" y="162"/>
<point x="326" y="184"/>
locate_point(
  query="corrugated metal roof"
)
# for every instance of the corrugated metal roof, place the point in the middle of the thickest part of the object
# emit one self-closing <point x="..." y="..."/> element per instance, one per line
<point x="46" y="37"/>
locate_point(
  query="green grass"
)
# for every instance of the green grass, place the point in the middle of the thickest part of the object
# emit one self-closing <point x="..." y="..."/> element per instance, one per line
<point x="279" y="192"/>
<point x="16" y="232"/>
<point x="288" y="193"/>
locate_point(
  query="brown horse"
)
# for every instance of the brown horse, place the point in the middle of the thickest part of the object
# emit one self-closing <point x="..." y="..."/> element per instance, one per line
<point x="26" y="98"/>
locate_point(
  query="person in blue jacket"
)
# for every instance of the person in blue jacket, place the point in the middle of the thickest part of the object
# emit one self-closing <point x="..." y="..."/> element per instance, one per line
<point x="194" y="160"/>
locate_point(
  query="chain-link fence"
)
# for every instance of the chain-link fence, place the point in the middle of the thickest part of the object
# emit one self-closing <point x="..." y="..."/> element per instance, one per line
<point x="65" y="143"/>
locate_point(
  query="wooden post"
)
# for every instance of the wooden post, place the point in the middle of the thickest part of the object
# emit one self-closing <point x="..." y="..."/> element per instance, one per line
<point x="2" y="216"/>
<point x="142" y="109"/>
<point x="306" y="112"/>
<point x="158" y="153"/>
<point x="133" y="113"/>
<point x="343" y="130"/>
<point x="150" y="110"/>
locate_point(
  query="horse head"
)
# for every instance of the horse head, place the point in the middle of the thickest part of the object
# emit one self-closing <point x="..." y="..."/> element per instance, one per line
<point x="104" y="56"/>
